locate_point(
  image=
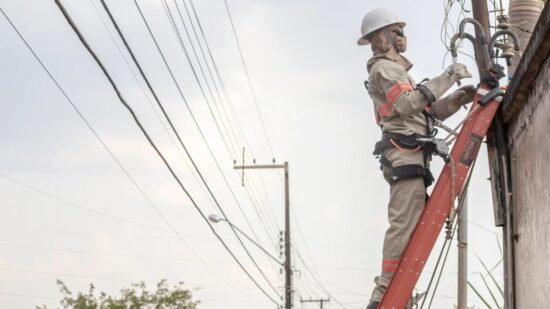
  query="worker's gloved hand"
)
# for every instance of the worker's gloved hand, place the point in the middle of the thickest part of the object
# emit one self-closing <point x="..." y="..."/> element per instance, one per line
<point x="450" y="104"/>
<point x="458" y="71"/>
<point x="440" y="84"/>
<point x="468" y="93"/>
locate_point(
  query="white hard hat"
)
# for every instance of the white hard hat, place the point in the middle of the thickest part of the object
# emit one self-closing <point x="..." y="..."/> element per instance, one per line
<point x="374" y="20"/>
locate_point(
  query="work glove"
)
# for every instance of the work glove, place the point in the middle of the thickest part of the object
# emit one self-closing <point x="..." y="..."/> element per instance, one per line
<point x="458" y="71"/>
<point x="449" y="105"/>
<point x="440" y="84"/>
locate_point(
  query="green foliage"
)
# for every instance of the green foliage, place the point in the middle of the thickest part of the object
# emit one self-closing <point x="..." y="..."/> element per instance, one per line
<point x="135" y="297"/>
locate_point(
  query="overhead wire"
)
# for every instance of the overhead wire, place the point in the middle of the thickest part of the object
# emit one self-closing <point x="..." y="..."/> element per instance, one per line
<point x="227" y="100"/>
<point x="79" y="206"/>
<point x="180" y="40"/>
<point x="219" y="100"/>
<point x="253" y="194"/>
<point x="155" y="148"/>
<point x="252" y="90"/>
<point x="149" y="101"/>
<point x="186" y="103"/>
<point x="96" y="135"/>
<point x="229" y="145"/>
<point x="442" y="258"/>
<point x="232" y="112"/>
<point x="153" y="92"/>
<point x="239" y="206"/>
<point x="172" y="21"/>
<point x="318" y="282"/>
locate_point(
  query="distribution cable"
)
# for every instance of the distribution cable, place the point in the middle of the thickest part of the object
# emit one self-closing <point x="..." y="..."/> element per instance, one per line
<point x="188" y="108"/>
<point x="180" y="140"/>
<point x="222" y="86"/>
<point x="148" y="99"/>
<point x="180" y="40"/>
<point x="153" y="145"/>
<point x="229" y="145"/>
<point x="232" y="137"/>
<point x="119" y="164"/>
<point x="252" y="91"/>
<point x="196" y="123"/>
<point x="88" y="209"/>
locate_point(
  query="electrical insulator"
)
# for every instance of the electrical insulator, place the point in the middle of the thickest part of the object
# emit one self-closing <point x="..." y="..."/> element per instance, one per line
<point x="503" y="22"/>
<point x="507" y="50"/>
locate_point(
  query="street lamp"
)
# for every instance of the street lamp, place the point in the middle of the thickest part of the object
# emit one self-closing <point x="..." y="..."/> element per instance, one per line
<point x="215" y="219"/>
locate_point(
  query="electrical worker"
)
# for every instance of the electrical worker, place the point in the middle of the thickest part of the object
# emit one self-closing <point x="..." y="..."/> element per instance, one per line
<point x="404" y="111"/>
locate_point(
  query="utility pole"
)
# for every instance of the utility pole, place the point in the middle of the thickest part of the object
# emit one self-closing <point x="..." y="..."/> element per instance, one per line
<point x="287" y="263"/>
<point x="481" y="14"/>
<point x="462" y="302"/>
<point x="320" y="301"/>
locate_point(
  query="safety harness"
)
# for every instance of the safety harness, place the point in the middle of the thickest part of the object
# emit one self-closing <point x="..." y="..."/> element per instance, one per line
<point x="428" y="144"/>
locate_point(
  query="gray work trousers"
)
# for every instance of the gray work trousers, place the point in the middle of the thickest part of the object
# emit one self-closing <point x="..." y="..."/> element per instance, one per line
<point x="407" y="199"/>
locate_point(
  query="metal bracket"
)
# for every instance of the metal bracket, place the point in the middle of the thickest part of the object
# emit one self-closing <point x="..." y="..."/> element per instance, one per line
<point x="439" y="146"/>
<point x="488" y="96"/>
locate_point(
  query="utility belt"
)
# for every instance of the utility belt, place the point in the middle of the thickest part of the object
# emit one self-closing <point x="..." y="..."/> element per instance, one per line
<point x="429" y="145"/>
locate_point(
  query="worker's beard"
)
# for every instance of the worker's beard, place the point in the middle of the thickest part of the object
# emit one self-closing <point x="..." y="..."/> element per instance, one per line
<point x="401" y="45"/>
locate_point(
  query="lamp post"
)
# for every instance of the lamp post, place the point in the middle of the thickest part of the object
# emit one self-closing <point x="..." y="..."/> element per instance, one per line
<point x="215" y="219"/>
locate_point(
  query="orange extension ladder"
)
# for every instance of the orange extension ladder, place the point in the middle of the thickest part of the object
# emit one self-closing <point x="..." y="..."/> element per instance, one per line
<point x="439" y="205"/>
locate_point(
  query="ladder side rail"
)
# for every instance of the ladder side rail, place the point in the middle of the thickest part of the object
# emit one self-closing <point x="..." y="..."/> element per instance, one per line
<point x="439" y="205"/>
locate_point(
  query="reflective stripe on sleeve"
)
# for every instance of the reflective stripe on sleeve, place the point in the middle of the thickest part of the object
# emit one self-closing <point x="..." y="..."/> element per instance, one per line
<point x="392" y="95"/>
<point x="396" y="91"/>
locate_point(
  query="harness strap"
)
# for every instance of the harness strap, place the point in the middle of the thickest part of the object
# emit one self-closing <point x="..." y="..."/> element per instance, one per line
<point x="406" y="143"/>
<point x="411" y="171"/>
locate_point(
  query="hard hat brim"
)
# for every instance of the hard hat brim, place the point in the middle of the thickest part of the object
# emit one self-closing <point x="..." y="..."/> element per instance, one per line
<point x="364" y="41"/>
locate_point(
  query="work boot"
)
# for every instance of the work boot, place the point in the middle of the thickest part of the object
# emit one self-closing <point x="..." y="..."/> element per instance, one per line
<point x="373" y="305"/>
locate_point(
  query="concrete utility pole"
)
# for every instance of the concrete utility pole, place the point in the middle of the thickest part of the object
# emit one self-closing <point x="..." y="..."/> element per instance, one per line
<point x="287" y="263"/>
<point x="462" y="297"/>
<point x="320" y="301"/>
<point x="481" y="14"/>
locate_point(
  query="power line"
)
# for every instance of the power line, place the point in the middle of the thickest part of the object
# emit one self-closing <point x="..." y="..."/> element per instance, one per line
<point x="317" y="280"/>
<point x="188" y="107"/>
<point x="153" y="145"/>
<point x="231" y="129"/>
<point x="220" y="100"/>
<point x="223" y="88"/>
<point x="148" y="99"/>
<point x="99" y="138"/>
<point x="180" y="40"/>
<point x="178" y="136"/>
<point x="216" y="69"/>
<point x="252" y="91"/>
<point x="76" y="205"/>
<point x="229" y="146"/>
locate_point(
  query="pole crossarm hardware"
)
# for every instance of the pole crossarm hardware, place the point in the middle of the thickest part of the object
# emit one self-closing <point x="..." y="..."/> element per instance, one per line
<point x="320" y="301"/>
<point x="287" y="264"/>
<point x="452" y="182"/>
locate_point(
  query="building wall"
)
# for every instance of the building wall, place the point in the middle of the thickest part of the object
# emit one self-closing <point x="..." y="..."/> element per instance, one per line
<point x="529" y="144"/>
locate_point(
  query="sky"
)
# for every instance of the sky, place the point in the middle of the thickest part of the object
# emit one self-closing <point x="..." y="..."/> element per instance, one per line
<point x="70" y="212"/>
